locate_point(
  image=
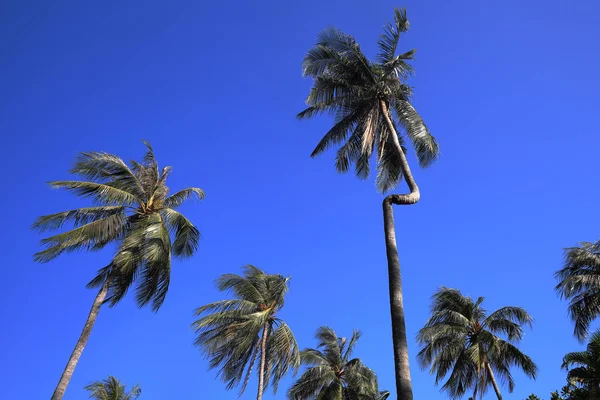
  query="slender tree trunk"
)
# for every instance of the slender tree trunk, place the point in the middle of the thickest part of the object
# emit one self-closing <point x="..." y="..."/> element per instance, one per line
<point x="494" y="383"/>
<point x="59" y="392"/>
<point x="403" y="381"/>
<point x="263" y="358"/>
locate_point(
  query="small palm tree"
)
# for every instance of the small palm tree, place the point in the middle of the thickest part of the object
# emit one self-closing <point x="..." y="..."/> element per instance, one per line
<point x="133" y="210"/>
<point x="579" y="282"/>
<point x="332" y="374"/>
<point x="370" y="101"/>
<point x="462" y="340"/>
<point x="235" y="333"/>
<point x="586" y="372"/>
<point x="112" y="389"/>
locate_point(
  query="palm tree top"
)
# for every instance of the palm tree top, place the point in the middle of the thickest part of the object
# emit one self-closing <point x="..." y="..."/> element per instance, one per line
<point x="579" y="282"/>
<point x="462" y="340"/>
<point x="361" y="94"/>
<point x="112" y="389"/>
<point x="132" y="208"/>
<point x="584" y="367"/>
<point x="236" y="334"/>
<point x="332" y="373"/>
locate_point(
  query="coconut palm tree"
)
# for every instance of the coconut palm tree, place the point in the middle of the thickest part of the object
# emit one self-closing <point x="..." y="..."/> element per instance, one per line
<point x="579" y="282"/>
<point x="370" y="101"/>
<point x="463" y="340"/>
<point x="132" y="210"/>
<point x="236" y="334"/>
<point x="112" y="389"/>
<point x="332" y="374"/>
<point x="584" y="368"/>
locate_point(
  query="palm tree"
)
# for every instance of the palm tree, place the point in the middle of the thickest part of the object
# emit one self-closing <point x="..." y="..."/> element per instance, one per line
<point x="461" y="339"/>
<point x="332" y="374"/>
<point x="133" y="210"/>
<point x="586" y="372"/>
<point x="112" y="389"/>
<point x="579" y="282"/>
<point x="369" y="101"/>
<point x="235" y="333"/>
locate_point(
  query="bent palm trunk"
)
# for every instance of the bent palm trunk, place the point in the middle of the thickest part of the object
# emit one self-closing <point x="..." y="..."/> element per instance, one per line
<point x="263" y="357"/>
<point x="59" y="392"/>
<point x="403" y="381"/>
<point x="494" y="383"/>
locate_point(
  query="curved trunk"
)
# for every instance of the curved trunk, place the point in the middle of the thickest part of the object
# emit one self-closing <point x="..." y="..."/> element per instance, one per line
<point x="403" y="381"/>
<point x="494" y="383"/>
<point x="59" y="392"/>
<point x="263" y="358"/>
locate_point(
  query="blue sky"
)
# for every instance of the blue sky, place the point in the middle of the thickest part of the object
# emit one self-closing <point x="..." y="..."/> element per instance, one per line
<point x="510" y="90"/>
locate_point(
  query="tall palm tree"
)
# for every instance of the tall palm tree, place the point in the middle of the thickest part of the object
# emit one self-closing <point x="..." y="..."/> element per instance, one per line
<point x="112" y="389"/>
<point x="579" y="282"/>
<point x="332" y="374"/>
<point x="586" y="372"/>
<point x="462" y="340"/>
<point x="370" y="100"/>
<point x="237" y="333"/>
<point x="133" y="210"/>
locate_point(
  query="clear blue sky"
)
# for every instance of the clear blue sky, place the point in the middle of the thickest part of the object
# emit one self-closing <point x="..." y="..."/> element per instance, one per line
<point x="509" y="88"/>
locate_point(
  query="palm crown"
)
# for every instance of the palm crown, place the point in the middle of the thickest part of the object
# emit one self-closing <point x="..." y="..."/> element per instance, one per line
<point x="235" y="333"/>
<point x="132" y="208"/>
<point x="112" y="389"/>
<point x="461" y="339"/>
<point x="579" y="281"/>
<point x="361" y="95"/>
<point x="584" y="367"/>
<point x="332" y="374"/>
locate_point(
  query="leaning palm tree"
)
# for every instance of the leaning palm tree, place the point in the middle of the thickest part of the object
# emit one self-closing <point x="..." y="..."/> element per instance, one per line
<point x="579" y="282"/>
<point x="112" y="389"/>
<point x="462" y="340"/>
<point x="370" y="101"/>
<point x="132" y="210"/>
<point x="236" y="334"/>
<point x="332" y="374"/>
<point x="585" y="376"/>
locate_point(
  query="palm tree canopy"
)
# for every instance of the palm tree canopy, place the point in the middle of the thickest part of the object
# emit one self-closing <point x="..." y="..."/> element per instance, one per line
<point x="579" y="282"/>
<point x="461" y="338"/>
<point x="132" y="209"/>
<point x="112" y="389"/>
<point x="230" y="331"/>
<point x="352" y="89"/>
<point x="332" y="373"/>
<point x="584" y="367"/>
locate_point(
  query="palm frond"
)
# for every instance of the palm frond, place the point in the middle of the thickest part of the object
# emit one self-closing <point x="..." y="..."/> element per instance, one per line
<point x="177" y="199"/>
<point x="101" y="193"/>
<point x="103" y="167"/>
<point x="85" y="237"/>
<point x="388" y="42"/>
<point x="426" y="146"/>
<point x="78" y="217"/>
<point x="186" y="234"/>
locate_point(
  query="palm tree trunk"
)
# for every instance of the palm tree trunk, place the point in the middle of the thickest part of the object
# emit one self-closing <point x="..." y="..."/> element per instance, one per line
<point x="59" y="392"/>
<point x="263" y="358"/>
<point x="403" y="381"/>
<point x="494" y="383"/>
